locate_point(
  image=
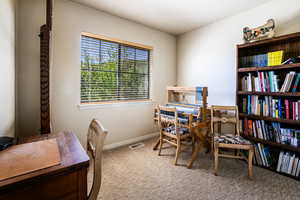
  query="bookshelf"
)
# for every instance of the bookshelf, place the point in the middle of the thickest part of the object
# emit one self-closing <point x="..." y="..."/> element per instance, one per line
<point x="277" y="134"/>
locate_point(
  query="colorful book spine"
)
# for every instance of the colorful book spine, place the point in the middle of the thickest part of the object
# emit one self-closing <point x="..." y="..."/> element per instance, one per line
<point x="295" y="86"/>
<point x="286" y="105"/>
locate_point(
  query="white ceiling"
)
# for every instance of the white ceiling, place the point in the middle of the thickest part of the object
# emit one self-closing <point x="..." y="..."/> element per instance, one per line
<point x="173" y="16"/>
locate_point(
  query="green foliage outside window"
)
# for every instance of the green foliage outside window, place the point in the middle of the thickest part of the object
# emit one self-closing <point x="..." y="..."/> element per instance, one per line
<point x="115" y="72"/>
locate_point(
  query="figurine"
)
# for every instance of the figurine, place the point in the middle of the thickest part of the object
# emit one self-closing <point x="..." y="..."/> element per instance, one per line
<point x="261" y="32"/>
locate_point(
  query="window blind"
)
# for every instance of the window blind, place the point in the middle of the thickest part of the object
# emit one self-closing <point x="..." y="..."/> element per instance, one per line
<point x="112" y="71"/>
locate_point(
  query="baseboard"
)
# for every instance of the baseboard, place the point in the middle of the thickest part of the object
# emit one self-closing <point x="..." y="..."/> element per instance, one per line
<point x="129" y="141"/>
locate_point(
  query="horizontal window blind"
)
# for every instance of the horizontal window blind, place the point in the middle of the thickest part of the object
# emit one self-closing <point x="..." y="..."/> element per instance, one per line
<point x="112" y="71"/>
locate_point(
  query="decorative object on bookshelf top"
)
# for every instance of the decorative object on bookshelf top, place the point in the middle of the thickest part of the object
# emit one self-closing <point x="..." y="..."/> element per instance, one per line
<point x="261" y="32"/>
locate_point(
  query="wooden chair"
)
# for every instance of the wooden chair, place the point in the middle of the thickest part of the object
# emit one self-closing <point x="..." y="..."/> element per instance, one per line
<point x="229" y="114"/>
<point x="95" y="142"/>
<point x="193" y="99"/>
<point x="173" y="130"/>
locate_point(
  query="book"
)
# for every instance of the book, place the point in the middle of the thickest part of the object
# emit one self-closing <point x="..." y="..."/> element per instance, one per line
<point x="275" y="58"/>
<point x="292" y="60"/>
<point x="279" y="161"/>
<point x="271" y="131"/>
<point x="295" y="86"/>
<point x="287" y="82"/>
<point x="269" y="106"/>
<point x="262" y="82"/>
<point x="288" y="163"/>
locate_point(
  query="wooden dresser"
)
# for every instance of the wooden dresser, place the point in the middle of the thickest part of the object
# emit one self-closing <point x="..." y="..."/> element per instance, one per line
<point x="65" y="181"/>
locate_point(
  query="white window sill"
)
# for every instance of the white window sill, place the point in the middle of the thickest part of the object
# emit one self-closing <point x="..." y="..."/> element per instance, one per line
<point x="113" y="104"/>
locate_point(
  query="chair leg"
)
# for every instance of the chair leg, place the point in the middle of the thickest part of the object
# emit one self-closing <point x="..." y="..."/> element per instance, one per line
<point x="160" y="144"/>
<point x="193" y="143"/>
<point x="177" y="150"/>
<point x="212" y="149"/>
<point x="250" y="165"/>
<point x="195" y="154"/>
<point x="216" y="155"/>
<point x="156" y="145"/>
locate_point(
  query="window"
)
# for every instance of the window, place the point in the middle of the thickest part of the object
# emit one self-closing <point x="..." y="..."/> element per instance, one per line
<point x="113" y="71"/>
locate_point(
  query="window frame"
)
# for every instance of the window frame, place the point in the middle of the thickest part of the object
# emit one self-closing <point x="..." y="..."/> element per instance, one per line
<point x="85" y="105"/>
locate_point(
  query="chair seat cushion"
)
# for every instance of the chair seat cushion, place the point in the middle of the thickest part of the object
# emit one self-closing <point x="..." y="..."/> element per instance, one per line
<point x="181" y="130"/>
<point x="231" y="139"/>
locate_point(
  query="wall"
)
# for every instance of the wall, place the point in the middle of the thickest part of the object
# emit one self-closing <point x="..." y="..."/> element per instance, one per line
<point x="7" y="69"/>
<point x="70" y="19"/>
<point x="207" y="56"/>
<point x="30" y="17"/>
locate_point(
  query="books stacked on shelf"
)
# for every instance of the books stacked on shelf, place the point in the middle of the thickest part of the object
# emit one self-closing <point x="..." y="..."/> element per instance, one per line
<point x="267" y="106"/>
<point x="262" y="60"/>
<point x="271" y="132"/>
<point x="288" y="163"/>
<point x="275" y="58"/>
<point x="264" y="156"/>
<point x="268" y="82"/>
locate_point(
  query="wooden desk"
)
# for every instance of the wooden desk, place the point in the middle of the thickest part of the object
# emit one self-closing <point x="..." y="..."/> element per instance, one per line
<point x="65" y="181"/>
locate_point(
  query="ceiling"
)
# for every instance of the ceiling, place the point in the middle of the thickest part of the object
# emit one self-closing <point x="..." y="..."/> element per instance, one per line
<point x="173" y="16"/>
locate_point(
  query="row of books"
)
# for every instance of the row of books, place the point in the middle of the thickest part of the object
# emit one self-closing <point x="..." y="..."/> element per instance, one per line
<point x="269" y="82"/>
<point x="267" y="106"/>
<point x="263" y="155"/>
<point x="262" y="60"/>
<point x="288" y="163"/>
<point x="271" y="132"/>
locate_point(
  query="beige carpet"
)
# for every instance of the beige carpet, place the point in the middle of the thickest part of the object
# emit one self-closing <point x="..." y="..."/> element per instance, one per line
<point x="142" y="174"/>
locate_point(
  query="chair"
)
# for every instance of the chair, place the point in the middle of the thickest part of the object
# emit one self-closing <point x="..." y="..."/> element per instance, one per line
<point x="229" y="114"/>
<point x="173" y="129"/>
<point x="95" y="142"/>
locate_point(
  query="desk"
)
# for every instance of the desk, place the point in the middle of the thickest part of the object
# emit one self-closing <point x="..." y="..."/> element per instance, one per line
<point x="65" y="181"/>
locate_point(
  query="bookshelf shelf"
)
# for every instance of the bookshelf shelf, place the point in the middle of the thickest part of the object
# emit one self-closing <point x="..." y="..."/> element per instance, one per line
<point x="270" y="68"/>
<point x="253" y="54"/>
<point x="279" y="94"/>
<point x="257" y="117"/>
<point x="273" y="144"/>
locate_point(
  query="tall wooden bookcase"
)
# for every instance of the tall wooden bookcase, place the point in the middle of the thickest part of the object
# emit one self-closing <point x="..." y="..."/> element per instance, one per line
<point x="290" y="44"/>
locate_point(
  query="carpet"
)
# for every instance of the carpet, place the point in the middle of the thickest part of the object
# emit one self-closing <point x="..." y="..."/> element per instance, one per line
<point x="141" y="174"/>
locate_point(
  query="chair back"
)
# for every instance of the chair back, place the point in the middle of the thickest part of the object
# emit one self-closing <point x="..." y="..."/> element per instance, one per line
<point x="222" y="115"/>
<point x="95" y="142"/>
<point x="167" y="116"/>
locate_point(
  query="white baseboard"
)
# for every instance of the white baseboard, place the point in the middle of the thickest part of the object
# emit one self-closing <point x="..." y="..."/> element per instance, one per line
<point x="129" y="141"/>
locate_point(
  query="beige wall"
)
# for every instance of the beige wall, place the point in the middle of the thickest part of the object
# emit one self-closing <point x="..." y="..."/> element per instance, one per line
<point x="7" y="69"/>
<point x="207" y="56"/>
<point x="30" y="17"/>
<point x="70" y="19"/>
